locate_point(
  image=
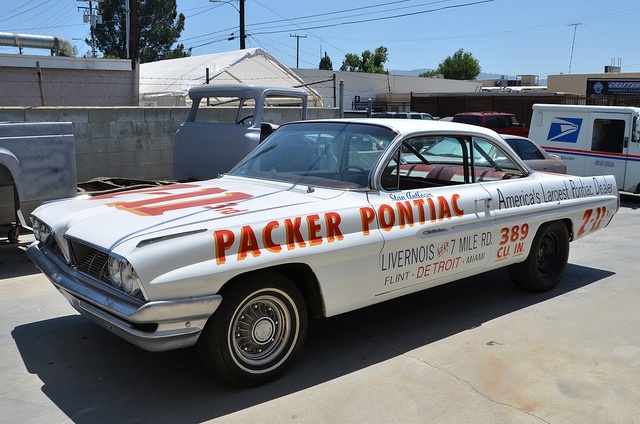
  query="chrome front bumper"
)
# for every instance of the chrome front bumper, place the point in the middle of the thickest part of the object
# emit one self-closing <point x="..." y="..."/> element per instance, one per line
<point x="154" y="326"/>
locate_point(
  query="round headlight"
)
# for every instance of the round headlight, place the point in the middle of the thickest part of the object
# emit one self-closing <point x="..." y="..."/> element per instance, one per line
<point x="40" y="231"/>
<point x="114" y="271"/>
<point x="44" y="232"/>
<point x="130" y="282"/>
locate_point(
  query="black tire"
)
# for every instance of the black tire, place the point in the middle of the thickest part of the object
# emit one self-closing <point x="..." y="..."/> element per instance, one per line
<point x="547" y="260"/>
<point x="256" y="332"/>
<point x="13" y="235"/>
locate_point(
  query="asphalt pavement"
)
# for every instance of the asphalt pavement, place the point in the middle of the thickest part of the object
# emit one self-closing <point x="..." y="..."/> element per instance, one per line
<point x="479" y="350"/>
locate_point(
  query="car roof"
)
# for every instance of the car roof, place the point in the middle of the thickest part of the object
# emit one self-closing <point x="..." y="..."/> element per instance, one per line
<point x="518" y="137"/>
<point x="483" y="113"/>
<point x="249" y="91"/>
<point x="409" y="126"/>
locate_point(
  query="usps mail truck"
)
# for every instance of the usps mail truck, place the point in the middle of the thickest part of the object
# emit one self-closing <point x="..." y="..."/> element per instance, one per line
<point x="592" y="140"/>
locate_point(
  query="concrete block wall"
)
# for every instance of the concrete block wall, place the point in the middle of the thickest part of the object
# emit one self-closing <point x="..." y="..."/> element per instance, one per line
<point x="126" y="141"/>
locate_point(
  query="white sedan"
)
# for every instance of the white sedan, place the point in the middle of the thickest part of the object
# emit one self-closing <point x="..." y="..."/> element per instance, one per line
<point x="324" y="217"/>
<point x="534" y="155"/>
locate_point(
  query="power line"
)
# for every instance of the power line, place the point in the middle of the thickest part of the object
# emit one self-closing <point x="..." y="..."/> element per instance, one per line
<point x="262" y="28"/>
<point x="382" y="18"/>
<point x="24" y="11"/>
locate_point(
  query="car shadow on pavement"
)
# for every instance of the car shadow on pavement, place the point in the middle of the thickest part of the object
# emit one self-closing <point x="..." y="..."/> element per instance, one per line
<point x="14" y="261"/>
<point x="93" y="376"/>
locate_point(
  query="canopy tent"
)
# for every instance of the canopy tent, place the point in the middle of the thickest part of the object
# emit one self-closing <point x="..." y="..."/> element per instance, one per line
<point x="167" y="82"/>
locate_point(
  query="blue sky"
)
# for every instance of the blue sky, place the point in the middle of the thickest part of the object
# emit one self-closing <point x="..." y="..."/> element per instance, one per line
<point x="511" y="37"/>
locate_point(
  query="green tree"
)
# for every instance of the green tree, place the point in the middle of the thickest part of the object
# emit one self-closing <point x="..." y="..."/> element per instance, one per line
<point x="429" y="74"/>
<point x="460" y="66"/>
<point x="325" y="63"/>
<point x="159" y="27"/>
<point x="372" y="63"/>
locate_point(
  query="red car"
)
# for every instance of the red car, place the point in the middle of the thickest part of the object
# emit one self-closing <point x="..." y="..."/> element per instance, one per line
<point x="501" y="122"/>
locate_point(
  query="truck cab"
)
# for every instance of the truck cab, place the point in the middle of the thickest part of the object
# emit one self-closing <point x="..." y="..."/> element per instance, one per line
<point x="226" y="122"/>
<point x="592" y="140"/>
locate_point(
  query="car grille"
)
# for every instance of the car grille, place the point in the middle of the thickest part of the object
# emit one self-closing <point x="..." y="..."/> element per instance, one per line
<point x="57" y="250"/>
<point x="91" y="261"/>
<point x="94" y="264"/>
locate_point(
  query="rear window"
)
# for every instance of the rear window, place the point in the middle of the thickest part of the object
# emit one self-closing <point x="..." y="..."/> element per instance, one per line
<point x="525" y="149"/>
<point x="473" y="120"/>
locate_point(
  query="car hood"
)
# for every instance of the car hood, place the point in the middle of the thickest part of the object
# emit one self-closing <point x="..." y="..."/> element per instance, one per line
<point x="109" y="219"/>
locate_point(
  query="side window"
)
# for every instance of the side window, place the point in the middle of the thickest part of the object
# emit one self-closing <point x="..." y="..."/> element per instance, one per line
<point x="528" y="150"/>
<point x="448" y="160"/>
<point x="494" y="122"/>
<point x="513" y="143"/>
<point x="419" y="143"/>
<point x="238" y="109"/>
<point x="608" y="135"/>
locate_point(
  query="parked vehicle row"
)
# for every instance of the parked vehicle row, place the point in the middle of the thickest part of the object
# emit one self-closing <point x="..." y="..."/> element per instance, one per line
<point x="403" y="115"/>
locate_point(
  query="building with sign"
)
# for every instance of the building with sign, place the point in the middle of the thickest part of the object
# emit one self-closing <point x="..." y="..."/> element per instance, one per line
<point x="612" y="86"/>
<point x="606" y="83"/>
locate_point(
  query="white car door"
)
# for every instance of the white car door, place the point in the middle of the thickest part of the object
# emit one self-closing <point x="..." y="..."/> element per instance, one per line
<point x="436" y="218"/>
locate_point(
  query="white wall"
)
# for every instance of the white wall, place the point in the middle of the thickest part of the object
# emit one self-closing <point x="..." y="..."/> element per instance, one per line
<point x="67" y="81"/>
<point x="371" y="85"/>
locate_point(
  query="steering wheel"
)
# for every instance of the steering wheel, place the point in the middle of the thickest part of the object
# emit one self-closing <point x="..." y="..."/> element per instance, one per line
<point x="242" y="121"/>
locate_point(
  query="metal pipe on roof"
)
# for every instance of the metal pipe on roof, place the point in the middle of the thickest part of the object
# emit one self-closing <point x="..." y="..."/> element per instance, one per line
<point x="59" y="46"/>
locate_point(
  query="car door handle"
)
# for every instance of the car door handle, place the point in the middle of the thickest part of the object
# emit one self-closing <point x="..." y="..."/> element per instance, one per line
<point x="484" y="204"/>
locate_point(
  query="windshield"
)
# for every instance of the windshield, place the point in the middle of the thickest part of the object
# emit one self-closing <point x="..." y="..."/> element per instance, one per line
<point x="329" y="154"/>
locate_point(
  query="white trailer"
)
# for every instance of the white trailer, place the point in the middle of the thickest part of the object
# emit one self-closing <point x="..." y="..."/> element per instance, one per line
<point x="592" y="140"/>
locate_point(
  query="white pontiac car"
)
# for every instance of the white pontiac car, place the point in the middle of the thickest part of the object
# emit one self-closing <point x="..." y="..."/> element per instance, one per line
<point x="324" y="217"/>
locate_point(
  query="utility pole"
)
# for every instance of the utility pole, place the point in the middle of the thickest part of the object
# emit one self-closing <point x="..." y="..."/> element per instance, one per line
<point x="298" y="37"/>
<point x="134" y="45"/>
<point x="92" y="17"/>
<point x="243" y="34"/>
<point x="242" y="30"/>
<point x="575" y="28"/>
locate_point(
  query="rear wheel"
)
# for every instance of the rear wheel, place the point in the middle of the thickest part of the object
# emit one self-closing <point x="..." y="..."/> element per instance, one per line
<point x="547" y="260"/>
<point x="257" y="331"/>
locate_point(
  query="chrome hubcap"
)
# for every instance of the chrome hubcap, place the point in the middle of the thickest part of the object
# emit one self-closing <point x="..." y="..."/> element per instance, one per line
<point x="260" y="330"/>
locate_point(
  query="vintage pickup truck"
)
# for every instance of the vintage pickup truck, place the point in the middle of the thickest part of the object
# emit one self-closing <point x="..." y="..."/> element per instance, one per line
<point x="213" y="139"/>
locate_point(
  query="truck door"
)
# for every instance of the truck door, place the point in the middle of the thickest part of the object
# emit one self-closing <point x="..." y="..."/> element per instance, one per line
<point x="632" y="175"/>
<point x="610" y="142"/>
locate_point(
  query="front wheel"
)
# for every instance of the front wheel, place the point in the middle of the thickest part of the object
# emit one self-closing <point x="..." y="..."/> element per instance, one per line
<point x="547" y="260"/>
<point x="257" y="331"/>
